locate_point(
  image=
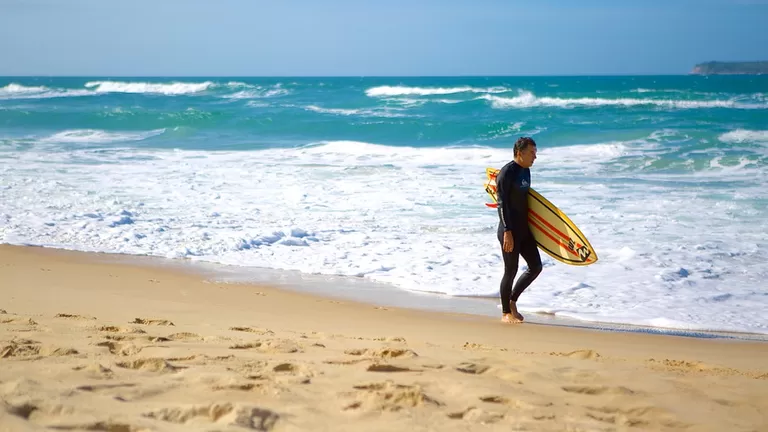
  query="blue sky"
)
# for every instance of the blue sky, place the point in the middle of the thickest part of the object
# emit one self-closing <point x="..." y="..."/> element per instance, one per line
<point x="370" y="37"/>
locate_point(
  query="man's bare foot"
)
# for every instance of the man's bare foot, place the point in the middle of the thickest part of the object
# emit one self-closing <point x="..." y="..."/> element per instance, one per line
<point x="515" y="313"/>
<point x="510" y="318"/>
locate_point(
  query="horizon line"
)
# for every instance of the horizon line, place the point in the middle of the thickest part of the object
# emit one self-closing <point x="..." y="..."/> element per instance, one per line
<point x="348" y="76"/>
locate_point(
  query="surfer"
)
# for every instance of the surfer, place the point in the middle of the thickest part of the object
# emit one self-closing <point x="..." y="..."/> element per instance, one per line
<point x="515" y="237"/>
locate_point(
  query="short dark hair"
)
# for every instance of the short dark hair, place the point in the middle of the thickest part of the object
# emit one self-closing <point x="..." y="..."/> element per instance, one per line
<point x="522" y="143"/>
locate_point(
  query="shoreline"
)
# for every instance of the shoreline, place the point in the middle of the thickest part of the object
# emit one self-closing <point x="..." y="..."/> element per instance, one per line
<point x="377" y="294"/>
<point x="96" y="342"/>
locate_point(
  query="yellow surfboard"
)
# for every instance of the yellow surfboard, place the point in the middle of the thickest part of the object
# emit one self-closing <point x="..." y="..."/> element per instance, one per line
<point x="553" y="231"/>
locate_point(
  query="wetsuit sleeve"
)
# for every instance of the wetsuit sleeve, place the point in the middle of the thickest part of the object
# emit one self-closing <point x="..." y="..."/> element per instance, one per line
<point x="506" y="208"/>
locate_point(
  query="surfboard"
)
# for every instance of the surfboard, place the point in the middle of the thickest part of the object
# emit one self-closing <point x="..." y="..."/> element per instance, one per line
<point x="553" y="231"/>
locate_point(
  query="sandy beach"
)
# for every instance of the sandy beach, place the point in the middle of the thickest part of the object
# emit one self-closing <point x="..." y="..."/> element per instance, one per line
<point x="87" y="344"/>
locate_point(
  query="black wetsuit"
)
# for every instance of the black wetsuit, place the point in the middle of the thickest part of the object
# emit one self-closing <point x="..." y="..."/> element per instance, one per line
<point x="512" y="183"/>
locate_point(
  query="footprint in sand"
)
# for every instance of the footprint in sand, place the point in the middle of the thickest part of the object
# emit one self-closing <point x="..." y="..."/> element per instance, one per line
<point x="293" y="373"/>
<point x="149" y="364"/>
<point x="160" y="322"/>
<point x="120" y="338"/>
<point x="495" y="399"/>
<point x="388" y="396"/>
<point x="598" y="390"/>
<point x="121" y="348"/>
<point x="285" y="346"/>
<point x="244" y="387"/>
<point x="346" y="362"/>
<point x="389" y="339"/>
<point x="95" y="370"/>
<point x="185" y="336"/>
<point x="22" y="348"/>
<point x="685" y="366"/>
<point x="643" y="416"/>
<point x="105" y="425"/>
<point x="19" y="348"/>
<point x="472" y="368"/>
<point x="219" y="358"/>
<point x="18" y="321"/>
<point x="100" y="387"/>
<point x="517" y="403"/>
<point x="480" y="347"/>
<point x="374" y="355"/>
<point x="74" y="317"/>
<point x="579" y="354"/>
<point x="433" y="366"/>
<point x="220" y="413"/>
<point x="382" y="353"/>
<point x="118" y="329"/>
<point x="23" y="410"/>
<point x="253" y="369"/>
<point x="182" y="359"/>
<point x="258" y="331"/>
<point x="477" y="415"/>
<point x="286" y="367"/>
<point x="376" y="367"/>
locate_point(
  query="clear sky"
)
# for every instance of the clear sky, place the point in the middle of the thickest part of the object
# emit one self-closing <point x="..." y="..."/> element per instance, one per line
<point x="376" y="37"/>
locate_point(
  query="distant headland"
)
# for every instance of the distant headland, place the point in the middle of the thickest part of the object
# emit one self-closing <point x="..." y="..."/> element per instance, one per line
<point x="731" y="68"/>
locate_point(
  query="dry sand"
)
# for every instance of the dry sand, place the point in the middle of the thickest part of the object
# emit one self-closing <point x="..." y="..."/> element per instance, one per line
<point x="86" y="344"/>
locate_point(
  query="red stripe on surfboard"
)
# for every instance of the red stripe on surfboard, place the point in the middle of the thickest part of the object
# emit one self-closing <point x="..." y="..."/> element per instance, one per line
<point x="558" y="241"/>
<point x="578" y="246"/>
<point x="549" y="225"/>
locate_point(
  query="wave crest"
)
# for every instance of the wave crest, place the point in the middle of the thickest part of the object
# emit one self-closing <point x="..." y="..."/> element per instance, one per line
<point x="527" y="99"/>
<point x="96" y="136"/>
<point x="174" y="88"/>
<point x="383" y="91"/>
<point x="744" y="135"/>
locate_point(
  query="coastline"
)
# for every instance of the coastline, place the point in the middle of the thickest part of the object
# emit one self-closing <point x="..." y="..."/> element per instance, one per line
<point x="381" y="294"/>
<point x="93" y="341"/>
<point x="369" y="293"/>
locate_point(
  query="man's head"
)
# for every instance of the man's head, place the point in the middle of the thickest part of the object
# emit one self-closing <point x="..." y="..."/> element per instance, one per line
<point x="525" y="151"/>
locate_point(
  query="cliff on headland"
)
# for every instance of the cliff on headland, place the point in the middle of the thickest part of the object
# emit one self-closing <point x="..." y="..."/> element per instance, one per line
<point x="731" y="68"/>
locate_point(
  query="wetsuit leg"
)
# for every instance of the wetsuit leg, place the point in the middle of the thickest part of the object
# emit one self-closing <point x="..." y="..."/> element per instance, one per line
<point x="530" y="252"/>
<point x="510" y="270"/>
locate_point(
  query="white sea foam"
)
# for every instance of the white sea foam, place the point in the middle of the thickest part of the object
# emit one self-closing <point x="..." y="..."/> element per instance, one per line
<point x="95" y="88"/>
<point x="527" y="99"/>
<point x="18" y="91"/>
<point x="361" y="112"/>
<point x="413" y="217"/>
<point x="645" y="90"/>
<point x="743" y="135"/>
<point x="174" y="88"/>
<point x="94" y="136"/>
<point x="383" y="91"/>
<point x="256" y="92"/>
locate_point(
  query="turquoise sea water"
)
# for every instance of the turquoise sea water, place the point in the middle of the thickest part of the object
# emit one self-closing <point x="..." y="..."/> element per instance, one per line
<point x="381" y="178"/>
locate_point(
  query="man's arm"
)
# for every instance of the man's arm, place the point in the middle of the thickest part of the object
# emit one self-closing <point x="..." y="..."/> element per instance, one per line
<point x="505" y="183"/>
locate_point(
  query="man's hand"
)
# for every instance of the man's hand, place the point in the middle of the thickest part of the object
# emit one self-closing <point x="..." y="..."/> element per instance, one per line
<point x="509" y="241"/>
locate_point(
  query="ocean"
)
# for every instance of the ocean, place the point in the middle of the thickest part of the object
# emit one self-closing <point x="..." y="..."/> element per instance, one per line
<point x="381" y="179"/>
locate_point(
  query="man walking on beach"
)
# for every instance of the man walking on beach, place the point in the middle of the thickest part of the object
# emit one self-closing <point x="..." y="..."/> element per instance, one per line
<point x="515" y="237"/>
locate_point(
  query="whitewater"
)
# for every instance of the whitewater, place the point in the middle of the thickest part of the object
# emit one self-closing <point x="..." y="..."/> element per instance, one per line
<point x="380" y="179"/>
